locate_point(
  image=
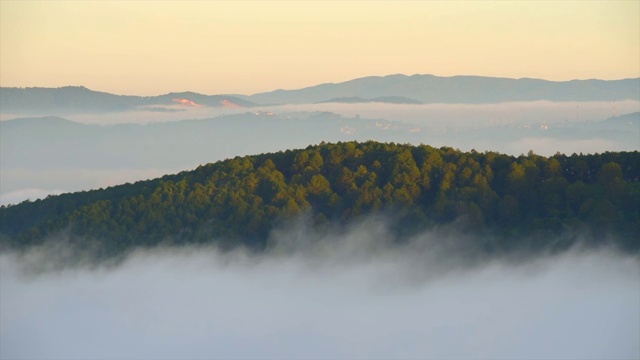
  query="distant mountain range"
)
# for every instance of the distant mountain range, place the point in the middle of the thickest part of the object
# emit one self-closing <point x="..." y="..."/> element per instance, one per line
<point x="81" y="99"/>
<point x="397" y="89"/>
<point x="457" y="89"/>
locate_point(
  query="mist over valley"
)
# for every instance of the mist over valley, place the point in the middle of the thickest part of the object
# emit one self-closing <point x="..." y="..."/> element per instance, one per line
<point x="340" y="297"/>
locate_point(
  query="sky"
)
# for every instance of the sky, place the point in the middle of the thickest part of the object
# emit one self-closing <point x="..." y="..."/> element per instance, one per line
<point x="245" y="47"/>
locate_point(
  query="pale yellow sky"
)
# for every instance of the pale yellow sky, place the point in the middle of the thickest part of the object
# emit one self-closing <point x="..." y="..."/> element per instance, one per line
<point x="149" y="48"/>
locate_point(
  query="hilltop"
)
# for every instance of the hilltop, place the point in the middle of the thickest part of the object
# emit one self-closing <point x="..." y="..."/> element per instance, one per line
<point x="508" y="203"/>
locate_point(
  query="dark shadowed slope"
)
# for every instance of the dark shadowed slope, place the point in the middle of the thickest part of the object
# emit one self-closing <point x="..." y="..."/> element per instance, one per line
<point x="511" y="203"/>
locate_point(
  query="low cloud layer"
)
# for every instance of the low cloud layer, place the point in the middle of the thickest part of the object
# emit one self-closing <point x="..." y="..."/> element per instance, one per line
<point x="335" y="296"/>
<point x="473" y="115"/>
<point x="469" y="115"/>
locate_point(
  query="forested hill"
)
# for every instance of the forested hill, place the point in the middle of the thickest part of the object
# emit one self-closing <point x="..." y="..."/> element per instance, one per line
<point x="511" y="202"/>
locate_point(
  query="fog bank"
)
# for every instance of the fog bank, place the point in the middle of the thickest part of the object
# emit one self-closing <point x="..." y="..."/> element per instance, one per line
<point x="420" y="114"/>
<point x="478" y="115"/>
<point x="345" y="297"/>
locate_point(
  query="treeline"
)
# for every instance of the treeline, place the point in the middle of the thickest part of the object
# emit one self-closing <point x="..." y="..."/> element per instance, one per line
<point x="512" y="201"/>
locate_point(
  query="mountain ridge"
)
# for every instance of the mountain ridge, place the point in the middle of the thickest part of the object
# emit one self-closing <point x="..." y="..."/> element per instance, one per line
<point x="417" y="88"/>
<point x="470" y="89"/>
<point x="79" y="99"/>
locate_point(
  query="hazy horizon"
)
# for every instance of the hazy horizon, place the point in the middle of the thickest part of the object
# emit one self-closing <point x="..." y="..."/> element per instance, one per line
<point x="251" y="47"/>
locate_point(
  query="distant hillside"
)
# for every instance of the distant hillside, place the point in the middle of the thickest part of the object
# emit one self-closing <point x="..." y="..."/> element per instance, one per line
<point x="528" y="203"/>
<point x="54" y="142"/>
<point x="457" y="89"/>
<point x="632" y="119"/>
<point x="72" y="99"/>
<point x="46" y="145"/>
